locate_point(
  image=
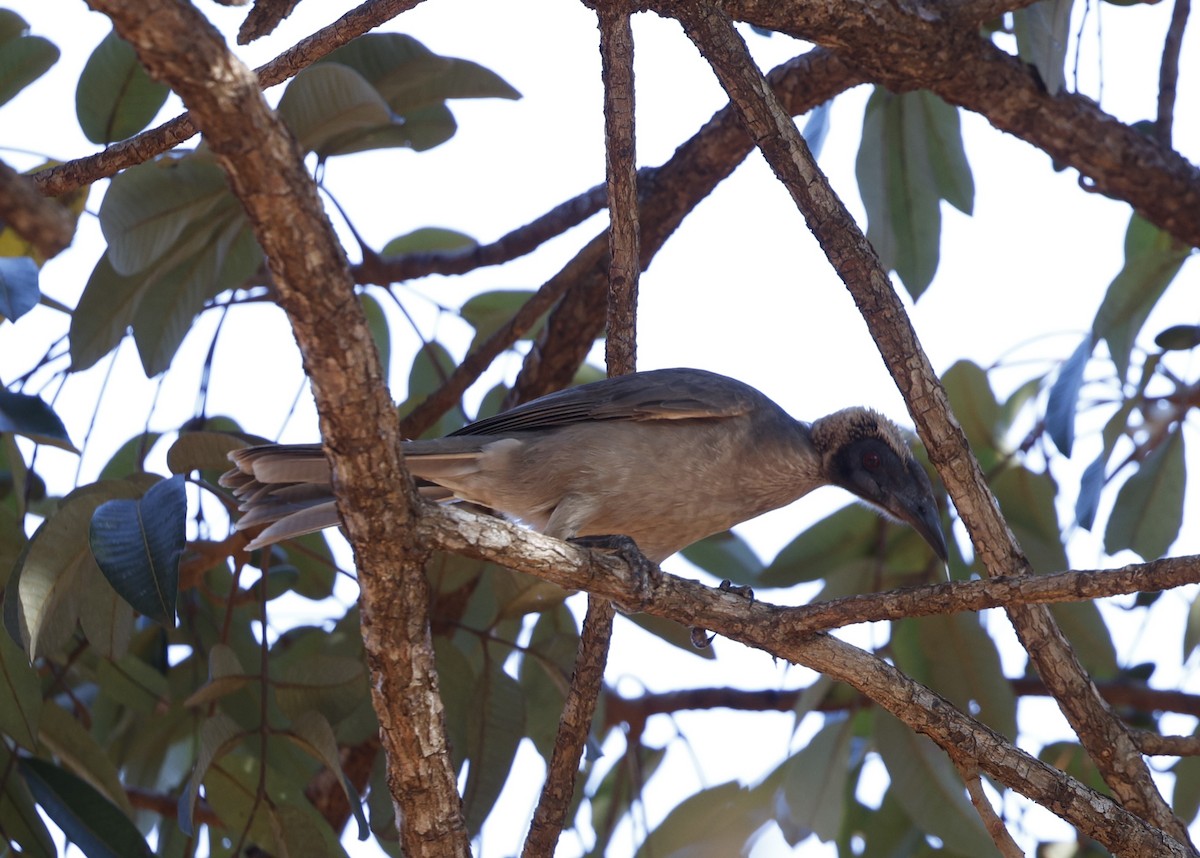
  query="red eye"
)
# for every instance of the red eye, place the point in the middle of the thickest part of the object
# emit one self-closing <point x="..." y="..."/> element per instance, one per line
<point x="871" y="461"/>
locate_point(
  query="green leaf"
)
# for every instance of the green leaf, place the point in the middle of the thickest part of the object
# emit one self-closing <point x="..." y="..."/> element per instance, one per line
<point x="974" y="403"/>
<point x="1178" y="338"/>
<point x="928" y="787"/>
<point x="1064" y="397"/>
<point x="495" y="726"/>
<point x="331" y="685"/>
<point x="134" y="683"/>
<point x="1089" y="635"/>
<point x="77" y="751"/>
<point x="1185" y="800"/>
<point x="30" y="416"/>
<point x="378" y="325"/>
<point x="489" y="311"/>
<point x="430" y="369"/>
<point x="824" y="550"/>
<point x="1043" y="32"/>
<point x="225" y="676"/>
<point x="107" y="622"/>
<point x="219" y="735"/>
<point x="131" y="457"/>
<point x="150" y="207"/>
<point x="85" y="816"/>
<point x="910" y="158"/>
<point x="1027" y="500"/>
<point x="1148" y="512"/>
<point x="202" y="451"/>
<point x="19" y="291"/>
<point x="1191" y="631"/>
<point x="115" y="97"/>
<point x="42" y="598"/>
<point x="312" y="732"/>
<point x="727" y="556"/>
<point x="545" y="675"/>
<point x="104" y="313"/>
<point x="715" y="821"/>
<point x="814" y="787"/>
<point x="427" y="240"/>
<point x="138" y="545"/>
<point x="20" y="695"/>
<point x="1152" y="259"/>
<point x="19" y="818"/>
<point x="23" y="58"/>
<point x="329" y="107"/>
<point x="410" y="77"/>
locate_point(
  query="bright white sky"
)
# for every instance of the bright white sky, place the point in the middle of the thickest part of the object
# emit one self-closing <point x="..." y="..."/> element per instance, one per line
<point x="742" y="289"/>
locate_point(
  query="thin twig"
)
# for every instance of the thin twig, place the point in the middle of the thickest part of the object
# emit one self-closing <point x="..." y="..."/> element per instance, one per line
<point x="1168" y="73"/>
<point x="993" y="823"/>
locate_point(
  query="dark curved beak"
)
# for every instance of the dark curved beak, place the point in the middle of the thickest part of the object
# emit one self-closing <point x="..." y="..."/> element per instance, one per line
<point x="916" y="506"/>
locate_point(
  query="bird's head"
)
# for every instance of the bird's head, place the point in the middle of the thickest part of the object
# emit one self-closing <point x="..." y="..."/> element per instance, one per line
<point x="865" y="453"/>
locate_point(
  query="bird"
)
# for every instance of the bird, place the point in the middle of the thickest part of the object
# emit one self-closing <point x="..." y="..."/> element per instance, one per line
<point x="662" y="457"/>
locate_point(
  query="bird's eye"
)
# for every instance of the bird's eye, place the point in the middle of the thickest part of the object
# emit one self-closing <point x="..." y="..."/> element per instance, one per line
<point x="871" y="460"/>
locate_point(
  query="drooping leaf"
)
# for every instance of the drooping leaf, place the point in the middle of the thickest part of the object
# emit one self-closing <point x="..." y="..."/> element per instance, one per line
<point x="813" y="793"/>
<point x="430" y="369"/>
<point x="200" y="451"/>
<point x="107" y="620"/>
<point x="1152" y="259"/>
<point x="489" y="311"/>
<point x="545" y="675"/>
<point x="225" y="676"/>
<point x="19" y="818"/>
<point x="19" y="291"/>
<point x="131" y="457"/>
<point x="133" y="683"/>
<point x="329" y="107"/>
<point x="30" y="416"/>
<point x="88" y="819"/>
<point x="823" y="551"/>
<point x="313" y="733"/>
<point x="1064" y="397"/>
<point x="1043" y="32"/>
<point x="79" y="753"/>
<point x="104" y="313"/>
<point x="1179" y="338"/>
<point x="1191" y="630"/>
<point x="331" y="685"/>
<point x="115" y="97"/>
<point x="1148" y="512"/>
<point x="715" y="821"/>
<point x="911" y="157"/>
<point x="380" y="334"/>
<point x="20" y="695"/>
<point x="138" y="545"/>
<point x="428" y="239"/>
<point x="928" y="787"/>
<point x="150" y="207"/>
<point x="974" y="403"/>
<point x="816" y="127"/>
<point x="495" y="726"/>
<point x="23" y="58"/>
<point x="219" y="734"/>
<point x="1027" y="500"/>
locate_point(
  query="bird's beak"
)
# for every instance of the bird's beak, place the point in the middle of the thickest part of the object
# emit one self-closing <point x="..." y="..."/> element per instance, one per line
<point x="918" y="508"/>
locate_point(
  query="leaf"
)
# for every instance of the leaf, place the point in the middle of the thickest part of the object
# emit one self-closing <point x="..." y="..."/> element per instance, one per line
<point x="1027" y="500"/>
<point x="1090" y="486"/>
<point x="928" y="787"/>
<point x="30" y="416"/>
<point x="107" y="622"/>
<point x="313" y="733"/>
<point x="545" y="675"/>
<point x="23" y="58"/>
<point x="20" y="695"/>
<point x="378" y="325"/>
<point x="430" y="369"/>
<point x="19" y="291"/>
<point x="1148" y="512"/>
<point x="813" y="793"/>
<point x="331" y="685"/>
<point x="910" y="158"/>
<point x="19" y="818"/>
<point x="1178" y="338"/>
<point x="133" y="683"/>
<point x="115" y="97"/>
<point x="78" y="752"/>
<point x="202" y="451"/>
<point x="225" y="676"/>
<point x="974" y="403"/>
<point x="1064" y="397"/>
<point x="150" y="207"/>
<point x="219" y="735"/>
<point x="428" y="239"/>
<point x="104" y="313"/>
<point x="1043" y="32"/>
<point x="824" y="550"/>
<point x="1152" y="259"/>
<point x="1191" y="630"/>
<point x="329" y="107"/>
<point x="714" y="821"/>
<point x="138" y="545"/>
<point x="495" y="726"/>
<point x="490" y="311"/>
<point x="727" y="556"/>
<point x="88" y="820"/>
<point x="1089" y="635"/>
<point x="816" y="127"/>
<point x="42" y="598"/>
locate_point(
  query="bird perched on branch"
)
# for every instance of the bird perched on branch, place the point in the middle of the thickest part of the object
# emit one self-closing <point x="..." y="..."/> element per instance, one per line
<point x="664" y="458"/>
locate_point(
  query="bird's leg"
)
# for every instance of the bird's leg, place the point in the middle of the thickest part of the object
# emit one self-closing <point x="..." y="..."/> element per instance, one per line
<point x="645" y="571"/>
<point x="701" y="638"/>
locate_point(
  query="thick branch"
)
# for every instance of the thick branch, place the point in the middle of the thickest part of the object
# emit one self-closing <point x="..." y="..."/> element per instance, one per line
<point x="358" y="421"/>
<point x="1105" y="736"/>
<point x="754" y="624"/>
<point x="43" y="223"/>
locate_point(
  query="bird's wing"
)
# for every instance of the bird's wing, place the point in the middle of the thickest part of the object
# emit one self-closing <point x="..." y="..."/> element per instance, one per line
<point x="665" y="394"/>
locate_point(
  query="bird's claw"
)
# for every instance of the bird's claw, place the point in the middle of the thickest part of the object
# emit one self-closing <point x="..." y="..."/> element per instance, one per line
<point x="702" y="638"/>
<point x="646" y="573"/>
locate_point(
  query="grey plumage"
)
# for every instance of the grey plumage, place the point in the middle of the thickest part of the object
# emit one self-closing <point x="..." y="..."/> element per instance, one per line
<point x="664" y="457"/>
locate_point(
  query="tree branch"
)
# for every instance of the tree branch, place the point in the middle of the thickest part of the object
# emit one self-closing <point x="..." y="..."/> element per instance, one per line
<point x="43" y="223"/>
<point x="358" y="421"/>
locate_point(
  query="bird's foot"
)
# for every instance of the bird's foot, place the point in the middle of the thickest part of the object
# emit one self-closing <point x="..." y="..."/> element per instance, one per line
<point x="645" y="571"/>
<point x="701" y="638"/>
